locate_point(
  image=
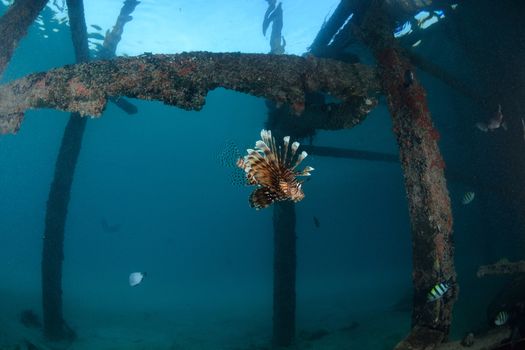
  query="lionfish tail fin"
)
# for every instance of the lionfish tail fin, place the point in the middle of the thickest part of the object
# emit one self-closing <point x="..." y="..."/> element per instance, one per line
<point x="262" y="197"/>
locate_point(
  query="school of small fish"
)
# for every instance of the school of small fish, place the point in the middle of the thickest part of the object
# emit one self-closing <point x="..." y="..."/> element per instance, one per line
<point x="228" y="158"/>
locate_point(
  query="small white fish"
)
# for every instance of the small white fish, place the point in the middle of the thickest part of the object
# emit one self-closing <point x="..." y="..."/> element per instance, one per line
<point x="416" y="43"/>
<point x="494" y="123"/>
<point x="438" y="291"/>
<point x="135" y="278"/>
<point x="454" y="6"/>
<point x="467" y="198"/>
<point x="501" y="318"/>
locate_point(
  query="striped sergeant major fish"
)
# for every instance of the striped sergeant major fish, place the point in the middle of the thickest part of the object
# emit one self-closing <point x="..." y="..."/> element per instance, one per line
<point x="501" y="318"/>
<point x="438" y="291"/>
<point x="468" y="198"/>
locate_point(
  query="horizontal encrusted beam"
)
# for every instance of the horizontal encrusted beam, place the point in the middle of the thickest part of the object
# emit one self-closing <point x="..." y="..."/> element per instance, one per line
<point x="350" y="153"/>
<point x="502" y="267"/>
<point x="493" y="339"/>
<point x="183" y="80"/>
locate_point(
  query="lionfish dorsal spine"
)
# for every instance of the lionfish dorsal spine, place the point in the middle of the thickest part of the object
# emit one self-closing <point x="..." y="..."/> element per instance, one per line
<point x="300" y="158"/>
<point x="293" y="150"/>
<point x="273" y="147"/>
<point x="263" y="147"/>
<point x="269" y="141"/>
<point x="286" y="144"/>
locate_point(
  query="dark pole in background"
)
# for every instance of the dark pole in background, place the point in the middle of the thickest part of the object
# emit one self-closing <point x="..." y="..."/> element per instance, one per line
<point x="284" y="258"/>
<point x="284" y="271"/>
<point x="55" y="328"/>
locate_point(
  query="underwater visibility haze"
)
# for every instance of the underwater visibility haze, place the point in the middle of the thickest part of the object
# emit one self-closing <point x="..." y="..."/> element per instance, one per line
<point x="263" y="174"/>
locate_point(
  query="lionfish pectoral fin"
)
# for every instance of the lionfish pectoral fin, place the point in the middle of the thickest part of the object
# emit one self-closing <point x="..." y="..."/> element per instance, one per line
<point x="262" y="197"/>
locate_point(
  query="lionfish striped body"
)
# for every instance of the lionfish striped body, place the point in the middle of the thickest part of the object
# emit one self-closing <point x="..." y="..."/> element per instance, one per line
<point x="272" y="170"/>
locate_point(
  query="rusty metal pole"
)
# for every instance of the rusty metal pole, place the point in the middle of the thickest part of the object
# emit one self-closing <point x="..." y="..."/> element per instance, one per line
<point x="13" y="27"/>
<point x="423" y="167"/>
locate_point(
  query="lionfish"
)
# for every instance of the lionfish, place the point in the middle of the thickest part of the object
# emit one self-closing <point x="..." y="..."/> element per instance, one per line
<point x="272" y="170"/>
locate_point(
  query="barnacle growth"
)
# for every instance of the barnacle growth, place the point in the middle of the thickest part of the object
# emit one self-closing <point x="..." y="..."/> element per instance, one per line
<point x="272" y="169"/>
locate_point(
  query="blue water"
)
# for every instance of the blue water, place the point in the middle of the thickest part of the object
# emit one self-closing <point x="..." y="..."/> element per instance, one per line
<point x="208" y="255"/>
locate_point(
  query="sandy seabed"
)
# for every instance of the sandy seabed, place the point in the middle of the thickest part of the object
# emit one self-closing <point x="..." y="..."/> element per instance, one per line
<point x="149" y="330"/>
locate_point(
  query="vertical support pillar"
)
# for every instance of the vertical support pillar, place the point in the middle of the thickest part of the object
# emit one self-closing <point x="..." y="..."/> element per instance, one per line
<point x="284" y="273"/>
<point x="284" y="256"/>
<point x="55" y="328"/>
<point x="423" y="167"/>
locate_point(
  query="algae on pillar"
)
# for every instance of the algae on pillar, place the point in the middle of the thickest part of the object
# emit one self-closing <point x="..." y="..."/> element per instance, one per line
<point x="423" y="167"/>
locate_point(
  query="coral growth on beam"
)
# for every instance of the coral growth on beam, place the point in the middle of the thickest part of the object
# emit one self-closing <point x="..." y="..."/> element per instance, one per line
<point x="183" y="80"/>
<point x="502" y="267"/>
<point x="490" y="340"/>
